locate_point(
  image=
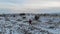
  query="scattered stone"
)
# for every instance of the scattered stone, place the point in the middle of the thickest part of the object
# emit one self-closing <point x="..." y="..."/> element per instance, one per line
<point x="0" y="32"/>
<point x="22" y="14"/>
<point x="7" y="19"/>
<point x="51" y="27"/>
<point x="23" y="17"/>
<point x="13" y="15"/>
<point x="18" y="20"/>
<point x="36" y="17"/>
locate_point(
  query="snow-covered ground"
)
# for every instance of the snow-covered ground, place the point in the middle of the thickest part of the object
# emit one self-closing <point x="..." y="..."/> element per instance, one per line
<point x="19" y="24"/>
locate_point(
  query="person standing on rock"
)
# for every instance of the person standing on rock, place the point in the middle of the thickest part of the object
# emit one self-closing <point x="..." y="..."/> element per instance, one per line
<point x="30" y="22"/>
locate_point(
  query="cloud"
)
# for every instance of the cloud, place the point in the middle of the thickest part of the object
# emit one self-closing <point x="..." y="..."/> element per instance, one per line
<point x="46" y="5"/>
<point x="18" y="4"/>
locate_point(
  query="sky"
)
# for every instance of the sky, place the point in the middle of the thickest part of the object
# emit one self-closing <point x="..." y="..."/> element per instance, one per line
<point x="31" y="4"/>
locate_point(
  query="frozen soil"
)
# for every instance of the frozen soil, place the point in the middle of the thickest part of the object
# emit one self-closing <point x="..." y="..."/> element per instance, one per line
<point x="19" y="24"/>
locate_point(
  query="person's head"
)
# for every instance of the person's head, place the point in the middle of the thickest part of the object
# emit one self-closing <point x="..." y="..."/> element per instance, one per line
<point x="29" y="19"/>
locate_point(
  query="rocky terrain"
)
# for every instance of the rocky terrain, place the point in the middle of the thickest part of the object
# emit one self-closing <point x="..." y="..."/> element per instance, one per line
<point x="29" y="24"/>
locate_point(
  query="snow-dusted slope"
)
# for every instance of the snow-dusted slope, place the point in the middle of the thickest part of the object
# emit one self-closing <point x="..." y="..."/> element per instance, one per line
<point x="19" y="24"/>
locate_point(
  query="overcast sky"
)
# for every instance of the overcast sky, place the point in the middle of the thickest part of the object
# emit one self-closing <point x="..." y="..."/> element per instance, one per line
<point x="18" y="4"/>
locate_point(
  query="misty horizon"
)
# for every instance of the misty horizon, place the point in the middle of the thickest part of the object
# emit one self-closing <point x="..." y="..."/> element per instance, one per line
<point x="30" y="6"/>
